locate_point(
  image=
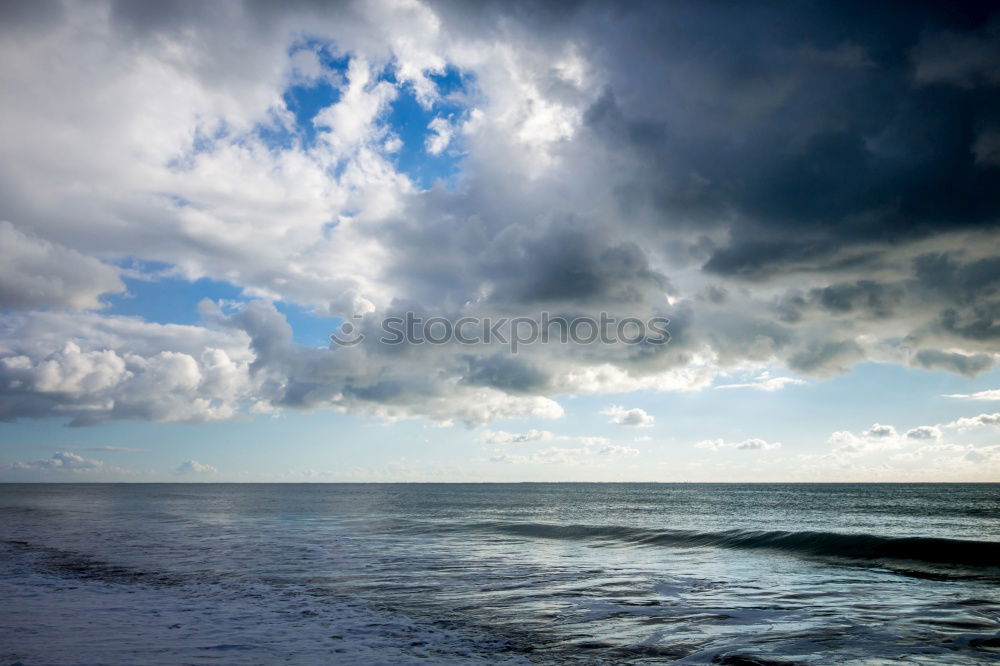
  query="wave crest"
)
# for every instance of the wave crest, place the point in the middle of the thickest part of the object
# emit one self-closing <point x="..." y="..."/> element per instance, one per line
<point x="857" y="547"/>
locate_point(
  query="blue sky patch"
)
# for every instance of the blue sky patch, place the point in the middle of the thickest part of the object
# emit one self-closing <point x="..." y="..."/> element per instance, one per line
<point x="168" y="300"/>
<point x="174" y="300"/>
<point x="409" y="121"/>
<point x="308" y="328"/>
<point x="306" y="98"/>
<point x="406" y="118"/>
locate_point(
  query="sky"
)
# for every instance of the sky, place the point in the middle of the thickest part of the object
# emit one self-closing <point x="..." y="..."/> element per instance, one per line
<point x="194" y="197"/>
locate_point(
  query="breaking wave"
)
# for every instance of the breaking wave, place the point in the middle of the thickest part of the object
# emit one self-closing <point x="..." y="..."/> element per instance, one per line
<point x="952" y="553"/>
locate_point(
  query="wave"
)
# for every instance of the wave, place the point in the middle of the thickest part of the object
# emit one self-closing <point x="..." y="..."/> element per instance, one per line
<point x="77" y="565"/>
<point x="857" y="547"/>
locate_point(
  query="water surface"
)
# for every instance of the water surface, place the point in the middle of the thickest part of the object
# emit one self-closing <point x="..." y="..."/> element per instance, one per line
<point x="493" y="573"/>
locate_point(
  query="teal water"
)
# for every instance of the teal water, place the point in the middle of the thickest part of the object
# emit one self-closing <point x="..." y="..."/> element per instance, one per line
<point x="524" y="573"/>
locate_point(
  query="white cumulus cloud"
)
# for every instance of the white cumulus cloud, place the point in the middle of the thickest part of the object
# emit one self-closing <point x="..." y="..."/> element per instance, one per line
<point x="635" y="417"/>
<point x="751" y="444"/>
<point x="195" y="467"/>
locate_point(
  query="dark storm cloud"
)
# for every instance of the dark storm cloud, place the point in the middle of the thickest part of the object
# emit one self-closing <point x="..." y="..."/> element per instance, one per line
<point x="963" y="364"/>
<point x="827" y="357"/>
<point x="568" y="265"/>
<point x="965" y="283"/>
<point x="969" y="293"/>
<point x="815" y="126"/>
<point x="862" y="298"/>
<point x="507" y="373"/>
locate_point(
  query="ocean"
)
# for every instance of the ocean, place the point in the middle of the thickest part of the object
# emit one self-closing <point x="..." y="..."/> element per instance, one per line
<point x="736" y="574"/>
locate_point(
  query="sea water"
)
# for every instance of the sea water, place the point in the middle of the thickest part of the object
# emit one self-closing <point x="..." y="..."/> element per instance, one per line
<point x="499" y="573"/>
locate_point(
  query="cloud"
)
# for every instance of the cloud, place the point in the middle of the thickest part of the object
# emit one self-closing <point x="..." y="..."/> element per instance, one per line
<point x="827" y="357"/>
<point x="243" y="361"/>
<point x="880" y="438"/>
<point x="756" y="445"/>
<point x="968" y="423"/>
<point x="115" y="449"/>
<point x="991" y="394"/>
<point x="440" y="137"/>
<point x="769" y="384"/>
<point x="637" y="418"/>
<point x="503" y="437"/>
<point x="36" y="273"/>
<point x="63" y="460"/>
<point x="969" y="365"/>
<point x="752" y="444"/>
<point x="62" y="465"/>
<point x="585" y="455"/>
<point x="923" y="433"/>
<point x="617" y="451"/>
<point x="961" y="60"/>
<point x="962" y="457"/>
<point x="195" y="467"/>
<point x="981" y="454"/>
<point x="716" y="186"/>
<point x="879" y="431"/>
<point x="93" y="384"/>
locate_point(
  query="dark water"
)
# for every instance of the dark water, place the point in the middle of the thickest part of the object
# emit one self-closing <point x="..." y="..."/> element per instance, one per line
<point x="523" y="573"/>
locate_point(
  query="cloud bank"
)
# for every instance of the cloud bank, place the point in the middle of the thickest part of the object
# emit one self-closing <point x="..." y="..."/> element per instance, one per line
<point x="796" y="189"/>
